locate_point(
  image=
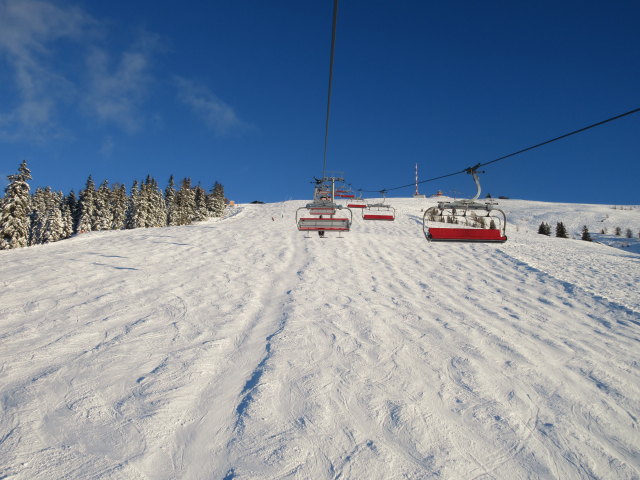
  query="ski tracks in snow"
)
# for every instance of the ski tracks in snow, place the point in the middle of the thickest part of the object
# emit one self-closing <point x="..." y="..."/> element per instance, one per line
<point x="212" y="444"/>
<point x="402" y="359"/>
<point x="239" y="349"/>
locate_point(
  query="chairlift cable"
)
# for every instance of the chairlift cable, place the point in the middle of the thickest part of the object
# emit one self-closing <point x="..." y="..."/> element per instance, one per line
<point x="466" y="170"/>
<point x="561" y="137"/>
<point x="322" y="211"/>
<point x="333" y="46"/>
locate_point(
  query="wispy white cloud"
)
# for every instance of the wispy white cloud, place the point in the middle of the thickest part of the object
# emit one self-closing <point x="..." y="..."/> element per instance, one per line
<point x="36" y="38"/>
<point x="58" y="66"/>
<point x="217" y="115"/>
<point x="118" y="87"/>
<point x="28" y="30"/>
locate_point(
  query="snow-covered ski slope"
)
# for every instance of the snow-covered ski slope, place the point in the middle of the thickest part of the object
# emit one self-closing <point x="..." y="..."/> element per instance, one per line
<point x="238" y="349"/>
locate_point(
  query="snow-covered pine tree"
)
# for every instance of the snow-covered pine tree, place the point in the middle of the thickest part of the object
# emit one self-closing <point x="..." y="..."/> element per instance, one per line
<point x="47" y="222"/>
<point x="561" y="231"/>
<point x="185" y="203"/>
<point x="200" y="197"/>
<point x="140" y="210"/>
<point x="170" y="202"/>
<point x="144" y="207"/>
<point x="146" y="203"/>
<point x="585" y="234"/>
<point x="133" y="216"/>
<point x="14" y="210"/>
<point x="541" y="230"/>
<point x="215" y="206"/>
<point x="37" y="215"/>
<point x="218" y="191"/>
<point x="618" y="231"/>
<point x="158" y="208"/>
<point x="140" y="216"/>
<point x="216" y="201"/>
<point x="211" y="204"/>
<point x="67" y="219"/>
<point x="39" y="199"/>
<point x="118" y="206"/>
<point x="544" y="229"/>
<point x="53" y="225"/>
<point x="151" y="204"/>
<point x="72" y="203"/>
<point x="103" y="217"/>
<point x="87" y="207"/>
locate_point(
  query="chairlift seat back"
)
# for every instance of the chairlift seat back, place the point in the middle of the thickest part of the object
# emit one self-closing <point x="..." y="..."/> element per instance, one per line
<point x="322" y="211"/>
<point x="313" y="224"/>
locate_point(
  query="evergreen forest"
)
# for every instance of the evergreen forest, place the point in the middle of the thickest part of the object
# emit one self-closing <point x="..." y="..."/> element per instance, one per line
<point x="46" y="216"/>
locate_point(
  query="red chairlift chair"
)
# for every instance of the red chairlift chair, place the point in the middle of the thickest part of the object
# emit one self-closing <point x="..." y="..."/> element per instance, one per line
<point x="379" y="211"/>
<point x="322" y="223"/>
<point x="465" y="213"/>
<point x="357" y="203"/>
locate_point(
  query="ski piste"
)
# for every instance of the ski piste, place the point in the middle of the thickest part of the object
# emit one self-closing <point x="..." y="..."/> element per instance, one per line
<point x="239" y="348"/>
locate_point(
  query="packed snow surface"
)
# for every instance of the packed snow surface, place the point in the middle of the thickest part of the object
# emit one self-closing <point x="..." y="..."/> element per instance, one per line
<point x="238" y="349"/>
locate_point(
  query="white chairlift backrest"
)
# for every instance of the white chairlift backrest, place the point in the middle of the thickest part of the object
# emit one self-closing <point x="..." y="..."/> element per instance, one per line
<point x="328" y="224"/>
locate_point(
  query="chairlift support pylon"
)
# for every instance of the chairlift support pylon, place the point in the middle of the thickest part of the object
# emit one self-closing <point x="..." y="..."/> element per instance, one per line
<point x="466" y="210"/>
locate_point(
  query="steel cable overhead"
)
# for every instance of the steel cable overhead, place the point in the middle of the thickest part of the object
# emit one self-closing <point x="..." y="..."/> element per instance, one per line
<point x="504" y="157"/>
<point x="333" y="46"/>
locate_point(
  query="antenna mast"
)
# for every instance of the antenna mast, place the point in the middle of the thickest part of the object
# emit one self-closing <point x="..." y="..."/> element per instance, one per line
<point x="417" y="194"/>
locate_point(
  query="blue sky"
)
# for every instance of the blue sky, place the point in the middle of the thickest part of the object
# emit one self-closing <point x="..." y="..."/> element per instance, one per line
<point x="236" y="92"/>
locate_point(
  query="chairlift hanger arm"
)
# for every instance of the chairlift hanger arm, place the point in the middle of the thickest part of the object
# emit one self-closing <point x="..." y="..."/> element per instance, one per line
<point x="474" y="173"/>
